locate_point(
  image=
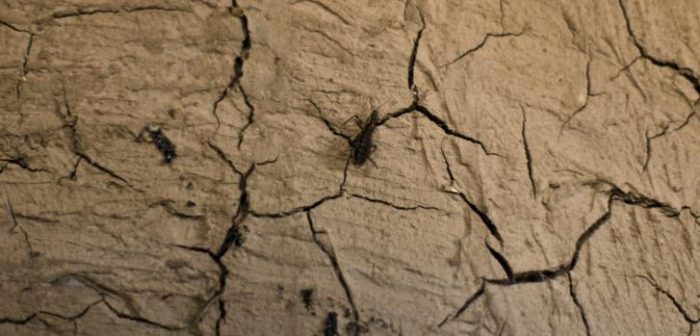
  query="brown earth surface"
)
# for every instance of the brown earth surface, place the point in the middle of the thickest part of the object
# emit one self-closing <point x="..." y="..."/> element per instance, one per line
<point x="193" y="167"/>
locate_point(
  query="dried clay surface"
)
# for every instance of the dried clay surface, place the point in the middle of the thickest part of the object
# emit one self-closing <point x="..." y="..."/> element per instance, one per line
<point x="212" y="167"/>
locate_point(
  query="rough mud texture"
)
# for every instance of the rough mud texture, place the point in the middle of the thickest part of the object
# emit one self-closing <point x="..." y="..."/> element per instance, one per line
<point x="193" y="167"/>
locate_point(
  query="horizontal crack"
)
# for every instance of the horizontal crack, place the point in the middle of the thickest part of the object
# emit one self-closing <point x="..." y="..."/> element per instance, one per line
<point x="387" y="203"/>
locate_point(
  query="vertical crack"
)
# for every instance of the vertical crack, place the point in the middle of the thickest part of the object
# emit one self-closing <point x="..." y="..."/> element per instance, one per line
<point x="528" y="156"/>
<point x="330" y="253"/>
<point x="579" y="306"/>
<point x="25" y="68"/>
<point x="234" y="234"/>
<point x="238" y="62"/>
<point x="251" y="115"/>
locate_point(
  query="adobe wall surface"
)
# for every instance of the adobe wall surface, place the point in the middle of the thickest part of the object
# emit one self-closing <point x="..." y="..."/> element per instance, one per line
<point x="192" y="167"/>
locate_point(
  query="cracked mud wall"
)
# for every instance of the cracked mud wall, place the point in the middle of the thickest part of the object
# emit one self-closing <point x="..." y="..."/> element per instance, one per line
<point x="184" y="167"/>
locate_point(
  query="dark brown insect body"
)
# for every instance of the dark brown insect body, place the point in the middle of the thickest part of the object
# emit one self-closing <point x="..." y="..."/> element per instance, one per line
<point x="362" y="142"/>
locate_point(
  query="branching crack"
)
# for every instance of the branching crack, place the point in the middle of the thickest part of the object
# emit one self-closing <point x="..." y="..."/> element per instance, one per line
<point x="330" y="253"/>
<point x="417" y="107"/>
<point x="538" y="276"/>
<point x="687" y="73"/>
<point x="234" y="234"/>
<point x="667" y="130"/>
<point x="21" y="320"/>
<point x="502" y="261"/>
<point x="668" y="294"/>
<point x="235" y="77"/>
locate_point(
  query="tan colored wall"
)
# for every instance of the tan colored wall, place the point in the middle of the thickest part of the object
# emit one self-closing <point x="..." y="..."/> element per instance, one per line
<point x="182" y="167"/>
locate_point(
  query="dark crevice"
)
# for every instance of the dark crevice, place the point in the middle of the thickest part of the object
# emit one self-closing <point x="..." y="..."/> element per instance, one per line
<point x="234" y="235"/>
<point x="22" y="163"/>
<point x="222" y="317"/>
<point x="251" y="115"/>
<point x="490" y="225"/>
<point x="414" y="55"/>
<point x="331" y="327"/>
<point x="338" y="272"/>
<point x="528" y="155"/>
<point x="387" y="203"/>
<point x="482" y="44"/>
<point x="501" y="261"/>
<point x="138" y="318"/>
<point x="307" y="296"/>
<point x="538" y="276"/>
<point x="238" y="62"/>
<point x="224" y="158"/>
<point x="589" y="94"/>
<point x="579" y="306"/>
<point x="687" y="73"/>
<point x="21" y="320"/>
